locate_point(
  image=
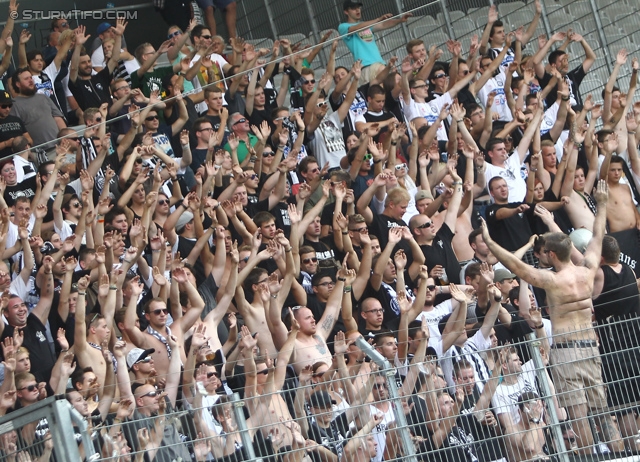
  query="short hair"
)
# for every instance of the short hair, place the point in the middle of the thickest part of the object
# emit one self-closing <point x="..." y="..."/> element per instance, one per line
<point x="493" y="142"/>
<point x="610" y="249"/>
<point x="147" y="306"/>
<point x="602" y="134"/>
<point x="90" y="113"/>
<point x="377" y="339"/>
<point x="113" y="213"/>
<point x="413" y="43"/>
<point x="262" y="218"/>
<point x="115" y="83"/>
<point x="212" y="89"/>
<point x="498" y="23"/>
<point x="16" y="77"/>
<point x="198" y="123"/>
<point x="473" y="235"/>
<point x="139" y="52"/>
<point x="253" y="277"/>
<point x="78" y="375"/>
<point x="554" y="55"/>
<point x="472" y="270"/>
<point x="493" y="180"/>
<point x="341" y="175"/>
<point x="42" y="169"/>
<point x="306" y="249"/>
<point x="526" y="397"/>
<point x="472" y="107"/>
<point x="616" y="159"/>
<point x="559" y="243"/>
<point x="274" y="112"/>
<point x="197" y="31"/>
<point x="306" y="71"/>
<point x="547" y="144"/>
<point x="397" y="195"/>
<point x="315" y="280"/>
<point x="356" y="218"/>
<point x="459" y="365"/>
<point x="304" y="163"/>
<point x="375" y="90"/>
<point x="33" y="54"/>
<point x="514" y="294"/>
<point x="22" y="377"/>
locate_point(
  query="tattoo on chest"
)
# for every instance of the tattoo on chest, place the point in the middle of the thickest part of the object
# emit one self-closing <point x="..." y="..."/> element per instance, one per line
<point x="320" y="345"/>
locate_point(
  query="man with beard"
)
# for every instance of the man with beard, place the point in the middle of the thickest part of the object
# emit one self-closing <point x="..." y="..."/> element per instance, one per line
<point x="92" y="90"/>
<point x="40" y="115"/>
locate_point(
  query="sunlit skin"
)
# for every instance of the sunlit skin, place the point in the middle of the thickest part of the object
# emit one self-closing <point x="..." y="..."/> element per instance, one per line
<point x="579" y="180"/>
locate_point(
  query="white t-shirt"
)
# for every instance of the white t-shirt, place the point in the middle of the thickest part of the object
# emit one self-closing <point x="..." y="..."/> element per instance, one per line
<point x="505" y="398"/>
<point x="328" y="143"/>
<point x="512" y="174"/>
<point x="379" y="432"/>
<point x="500" y="105"/>
<point x="97" y="60"/>
<point x="430" y="111"/>
<point x="434" y="316"/>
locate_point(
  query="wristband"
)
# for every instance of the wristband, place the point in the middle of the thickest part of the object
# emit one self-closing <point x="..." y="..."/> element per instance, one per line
<point x="393" y="144"/>
<point x="288" y="250"/>
<point x="377" y="161"/>
<point x="460" y="120"/>
<point x="274" y="295"/>
<point x="154" y="251"/>
<point x="174" y="179"/>
<point x="541" y="326"/>
<point x="346" y="290"/>
<point x="533" y="169"/>
<point x="577" y="145"/>
<point x="101" y="221"/>
<point x="81" y="293"/>
<point x="631" y="133"/>
<point x="565" y="99"/>
<point x="281" y="146"/>
<point x="345" y="233"/>
<point x="342" y="279"/>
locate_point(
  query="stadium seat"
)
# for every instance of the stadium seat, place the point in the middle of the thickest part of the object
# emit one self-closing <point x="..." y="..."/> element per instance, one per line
<point x="506" y="8"/>
<point x="424" y="20"/>
<point x="295" y="38"/>
<point x="520" y="18"/>
<point x="261" y="43"/>
<point x="421" y="31"/>
<point x="580" y="9"/>
<point x="463" y="27"/>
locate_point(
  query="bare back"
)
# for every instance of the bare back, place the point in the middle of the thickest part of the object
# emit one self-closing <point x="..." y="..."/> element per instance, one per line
<point x="570" y="304"/>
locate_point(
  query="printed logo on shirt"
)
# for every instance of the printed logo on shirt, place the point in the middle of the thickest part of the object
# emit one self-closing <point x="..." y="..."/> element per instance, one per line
<point x="366" y="35"/>
<point x="41" y="336"/>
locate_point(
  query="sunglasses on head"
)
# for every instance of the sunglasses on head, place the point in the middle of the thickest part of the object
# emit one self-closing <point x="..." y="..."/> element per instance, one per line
<point x="268" y="154"/>
<point x="175" y="34"/>
<point x="150" y="118"/>
<point x="159" y="310"/>
<point x="240" y="121"/>
<point x="306" y="261"/>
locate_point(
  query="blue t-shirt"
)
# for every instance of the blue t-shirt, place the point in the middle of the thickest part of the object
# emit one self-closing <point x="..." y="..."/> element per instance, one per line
<point x="362" y="44"/>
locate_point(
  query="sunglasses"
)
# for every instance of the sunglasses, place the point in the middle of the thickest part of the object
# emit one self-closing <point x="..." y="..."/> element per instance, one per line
<point x="439" y="76"/>
<point x="163" y="202"/>
<point x="240" y="121"/>
<point x="401" y="166"/>
<point x="212" y="374"/>
<point x="304" y="81"/>
<point x="150" y="118"/>
<point x="98" y="119"/>
<point x="263" y="371"/>
<point x="123" y="87"/>
<point x="465" y="72"/>
<point x="245" y="259"/>
<point x="368" y="156"/>
<point x="420" y="86"/>
<point x="175" y="34"/>
<point x="322" y="103"/>
<point x="206" y="37"/>
<point x="426" y="225"/>
<point x="139" y="160"/>
<point x="144" y="361"/>
<point x="253" y="177"/>
<point x="159" y="310"/>
<point x="268" y="154"/>
<point x="508" y="138"/>
<point x="306" y="261"/>
<point x="151" y="394"/>
<point x="29" y="388"/>
<point x="431" y="288"/>
<point x="6" y="106"/>
<point x="363" y="230"/>
<point x="75" y="205"/>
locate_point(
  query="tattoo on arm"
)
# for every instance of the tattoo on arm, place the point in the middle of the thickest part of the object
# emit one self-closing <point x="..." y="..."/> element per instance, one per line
<point x="327" y="324"/>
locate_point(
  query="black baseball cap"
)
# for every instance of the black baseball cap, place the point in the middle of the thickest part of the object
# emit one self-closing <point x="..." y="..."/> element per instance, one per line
<point x="348" y="4"/>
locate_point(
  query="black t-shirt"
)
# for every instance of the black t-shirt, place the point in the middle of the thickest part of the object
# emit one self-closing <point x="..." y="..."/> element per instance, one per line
<point x="26" y="188"/>
<point x="35" y="340"/>
<point x="10" y="127"/>
<point x="215" y="123"/>
<point x="513" y="232"/>
<point x="380" y="226"/>
<point x="440" y="252"/>
<point x="92" y="92"/>
<point x="334" y="437"/>
<point x="198" y="158"/>
<point x="573" y="78"/>
<point x="379" y="117"/>
<point x="487" y="445"/>
<point x="323" y="251"/>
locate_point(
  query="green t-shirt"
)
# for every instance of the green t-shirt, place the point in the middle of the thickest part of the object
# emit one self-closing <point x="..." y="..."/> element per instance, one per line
<point x="242" y="147"/>
<point x="151" y="80"/>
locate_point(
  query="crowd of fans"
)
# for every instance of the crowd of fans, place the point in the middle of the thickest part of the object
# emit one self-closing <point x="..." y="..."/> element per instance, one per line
<point x="207" y="233"/>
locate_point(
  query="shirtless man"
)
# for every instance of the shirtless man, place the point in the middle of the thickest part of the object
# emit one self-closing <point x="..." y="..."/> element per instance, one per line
<point x="580" y="387"/>
<point x="156" y="312"/>
<point x="622" y="214"/>
<point x="579" y="205"/>
<point x="527" y="441"/>
<point x="90" y="342"/>
<point x="616" y="104"/>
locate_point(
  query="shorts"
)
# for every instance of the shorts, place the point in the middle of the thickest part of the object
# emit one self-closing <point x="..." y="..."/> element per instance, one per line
<point x="577" y="375"/>
<point x="369" y="73"/>
<point x="220" y="4"/>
